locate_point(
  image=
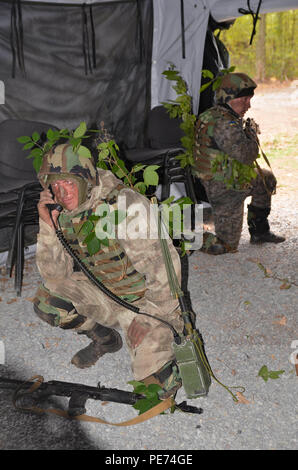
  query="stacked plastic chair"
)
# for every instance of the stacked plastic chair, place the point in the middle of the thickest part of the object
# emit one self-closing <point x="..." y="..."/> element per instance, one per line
<point x="163" y="145"/>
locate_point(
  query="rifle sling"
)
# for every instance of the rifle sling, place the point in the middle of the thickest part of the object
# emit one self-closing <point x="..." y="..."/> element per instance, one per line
<point x="156" y="410"/>
<point x="259" y="169"/>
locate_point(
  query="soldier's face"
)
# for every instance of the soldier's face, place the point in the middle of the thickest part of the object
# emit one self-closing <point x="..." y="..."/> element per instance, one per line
<point x="66" y="193"/>
<point x="240" y="105"/>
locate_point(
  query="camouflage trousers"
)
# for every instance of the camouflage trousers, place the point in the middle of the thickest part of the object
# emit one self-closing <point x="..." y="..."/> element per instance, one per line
<point x="228" y="205"/>
<point x="88" y="301"/>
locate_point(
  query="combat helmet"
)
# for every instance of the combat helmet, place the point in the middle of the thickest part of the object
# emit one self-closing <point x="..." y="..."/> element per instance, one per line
<point x="61" y="162"/>
<point x="234" y="85"/>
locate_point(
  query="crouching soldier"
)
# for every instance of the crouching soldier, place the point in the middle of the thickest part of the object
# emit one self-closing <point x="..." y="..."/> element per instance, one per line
<point x="130" y="268"/>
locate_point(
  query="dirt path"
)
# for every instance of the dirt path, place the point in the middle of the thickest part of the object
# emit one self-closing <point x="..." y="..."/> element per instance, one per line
<point x="275" y="108"/>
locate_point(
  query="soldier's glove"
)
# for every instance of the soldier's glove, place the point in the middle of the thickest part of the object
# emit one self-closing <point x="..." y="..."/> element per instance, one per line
<point x="251" y="128"/>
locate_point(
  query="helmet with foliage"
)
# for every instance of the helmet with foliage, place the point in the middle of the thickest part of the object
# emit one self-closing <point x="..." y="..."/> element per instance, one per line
<point x="234" y="85"/>
<point x="61" y="162"/>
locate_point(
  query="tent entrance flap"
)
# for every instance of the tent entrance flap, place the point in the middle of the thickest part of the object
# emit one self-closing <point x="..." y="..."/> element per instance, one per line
<point x="179" y="36"/>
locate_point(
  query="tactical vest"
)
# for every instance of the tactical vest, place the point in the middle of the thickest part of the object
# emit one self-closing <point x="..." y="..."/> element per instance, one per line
<point x="110" y="264"/>
<point x="206" y="149"/>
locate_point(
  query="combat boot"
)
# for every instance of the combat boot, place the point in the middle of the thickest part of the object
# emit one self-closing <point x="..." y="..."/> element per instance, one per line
<point x="258" y="226"/>
<point x="267" y="237"/>
<point x="104" y="340"/>
<point x="212" y="245"/>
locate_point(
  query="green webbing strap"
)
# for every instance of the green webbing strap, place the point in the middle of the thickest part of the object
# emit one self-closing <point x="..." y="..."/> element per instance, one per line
<point x="173" y="281"/>
<point x="178" y="293"/>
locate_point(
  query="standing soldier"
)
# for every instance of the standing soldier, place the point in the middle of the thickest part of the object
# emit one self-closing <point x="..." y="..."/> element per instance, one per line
<point x="226" y="150"/>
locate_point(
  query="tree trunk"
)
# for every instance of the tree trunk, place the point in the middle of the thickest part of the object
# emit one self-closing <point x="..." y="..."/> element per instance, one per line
<point x="261" y="50"/>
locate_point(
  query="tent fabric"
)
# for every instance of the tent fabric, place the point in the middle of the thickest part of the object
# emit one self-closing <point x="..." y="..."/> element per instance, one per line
<point x="168" y="47"/>
<point x="222" y="7"/>
<point x="72" y="2"/>
<point x="102" y="60"/>
<point x="61" y="83"/>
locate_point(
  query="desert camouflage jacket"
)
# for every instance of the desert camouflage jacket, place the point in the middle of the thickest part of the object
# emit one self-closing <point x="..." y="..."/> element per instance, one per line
<point x="219" y="130"/>
<point x="144" y="254"/>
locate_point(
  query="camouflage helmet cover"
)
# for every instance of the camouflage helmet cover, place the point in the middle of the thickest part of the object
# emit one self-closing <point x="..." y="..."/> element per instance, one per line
<point x="62" y="162"/>
<point x="234" y="85"/>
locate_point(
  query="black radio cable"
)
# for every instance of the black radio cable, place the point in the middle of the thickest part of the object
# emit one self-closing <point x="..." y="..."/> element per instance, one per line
<point x="98" y="283"/>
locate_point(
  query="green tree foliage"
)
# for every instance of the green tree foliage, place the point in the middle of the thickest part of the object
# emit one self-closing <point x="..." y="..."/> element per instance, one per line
<point x="38" y="150"/>
<point x="281" y="45"/>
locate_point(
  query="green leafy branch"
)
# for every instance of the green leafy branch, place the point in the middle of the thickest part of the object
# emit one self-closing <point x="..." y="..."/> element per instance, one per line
<point x="173" y="218"/>
<point x="269" y="374"/>
<point x="215" y="81"/>
<point x="151" y="394"/>
<point x="234" y="174"/>
<point x="100" y="227"/>
<point x="286" y="283"/>
<point x="108" y="159"/>
<point x="38" y="150"/>
<point x="181" y="108"/>
<point x="95" y="235"/>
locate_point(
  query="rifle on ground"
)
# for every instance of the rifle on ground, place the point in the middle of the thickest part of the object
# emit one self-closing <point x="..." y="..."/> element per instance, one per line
<point x="78" y="393"/>
<point x="36" y="390"/>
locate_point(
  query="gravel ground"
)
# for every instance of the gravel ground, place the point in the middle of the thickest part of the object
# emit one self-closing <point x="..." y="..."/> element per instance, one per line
<point x="248" y="318"/>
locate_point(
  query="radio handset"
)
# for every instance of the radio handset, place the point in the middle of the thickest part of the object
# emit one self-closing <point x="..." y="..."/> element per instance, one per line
<point x="53" y="206"/>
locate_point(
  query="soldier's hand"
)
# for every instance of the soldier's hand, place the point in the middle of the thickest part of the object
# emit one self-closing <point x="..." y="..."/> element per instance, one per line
<point x="252" y="129"/>
<point x="136" y="333"/>
<point x="47" y="198"/>
<point x="255" y="126"/>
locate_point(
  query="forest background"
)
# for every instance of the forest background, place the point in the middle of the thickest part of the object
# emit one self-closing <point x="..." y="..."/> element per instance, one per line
<point x="274" y="50"/>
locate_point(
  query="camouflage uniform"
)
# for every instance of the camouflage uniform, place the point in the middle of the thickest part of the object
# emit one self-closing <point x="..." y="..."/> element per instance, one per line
<point x="220" y="131"/>
<point x="131" y="268"/>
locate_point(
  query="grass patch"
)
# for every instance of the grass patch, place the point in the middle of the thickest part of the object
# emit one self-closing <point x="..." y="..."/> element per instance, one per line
<point x="282" y="150"/>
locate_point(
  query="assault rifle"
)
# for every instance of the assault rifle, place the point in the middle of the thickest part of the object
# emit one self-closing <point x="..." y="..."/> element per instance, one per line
<point x="78" y="394"/>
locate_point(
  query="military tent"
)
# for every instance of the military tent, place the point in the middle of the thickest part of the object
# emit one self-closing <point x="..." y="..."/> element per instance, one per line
<point x="64" y="61"/>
